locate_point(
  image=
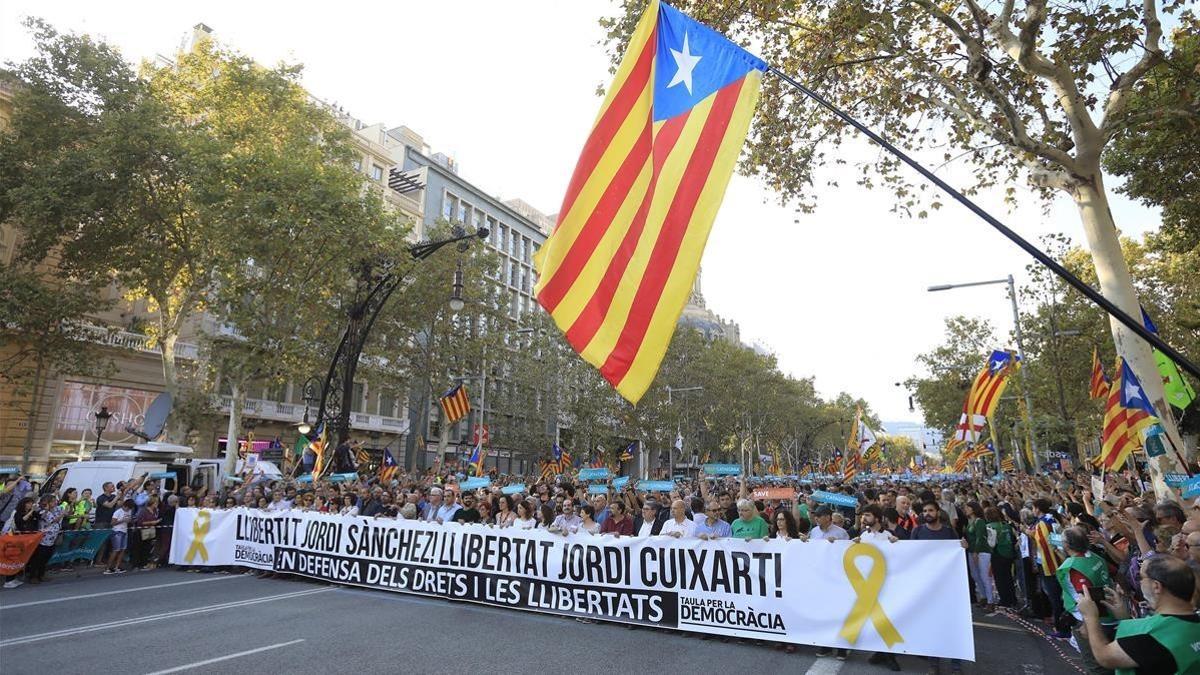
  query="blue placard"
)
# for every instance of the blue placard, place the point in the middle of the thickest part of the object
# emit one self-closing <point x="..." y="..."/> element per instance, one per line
<point x="621" y="482"/>
<point x="722" y="469"/>
<point x="5" y="470"/>
<point x="656" y="485"/>
<point x="1056" y="540"/>
<point x="594" y="474"/>
<point x="1191" y="487"/>
<point x="343" y="477"/>
<point x="835" y="499"/>
<point x="306" y="478"/>
<point x="597" y="489"/>
<point x="513" y="489"/>
<point x="1175" y="479"/>
<point x="475" y="483"/>
<point x="161" y="474"/>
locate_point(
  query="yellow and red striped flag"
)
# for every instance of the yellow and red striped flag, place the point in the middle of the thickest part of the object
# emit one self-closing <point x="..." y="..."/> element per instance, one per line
<point x="1099" y="385"/>
<point x="1126" y="413"/>
<point x="455" y="403"/>
<point x="616" y="273"/>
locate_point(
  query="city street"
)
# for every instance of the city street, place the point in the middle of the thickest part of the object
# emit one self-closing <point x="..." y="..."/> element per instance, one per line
<point x="166" y="621"/>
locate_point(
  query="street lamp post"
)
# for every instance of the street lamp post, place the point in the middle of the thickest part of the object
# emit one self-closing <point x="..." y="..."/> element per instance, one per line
<point x="376" y="285"/>
<point x="102" y="418"/>
<point x="678" y="430"/>
<point x="1012" y="296"/>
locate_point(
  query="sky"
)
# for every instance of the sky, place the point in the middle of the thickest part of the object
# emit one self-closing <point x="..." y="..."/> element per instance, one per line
<point x="509" y="90"/>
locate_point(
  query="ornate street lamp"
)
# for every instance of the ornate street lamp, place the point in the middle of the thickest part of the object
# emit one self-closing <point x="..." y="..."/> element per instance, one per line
<point x="102" y="418"/>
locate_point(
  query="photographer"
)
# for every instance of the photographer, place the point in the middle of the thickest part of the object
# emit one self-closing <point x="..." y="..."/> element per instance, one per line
<point x="1161" y="643"/>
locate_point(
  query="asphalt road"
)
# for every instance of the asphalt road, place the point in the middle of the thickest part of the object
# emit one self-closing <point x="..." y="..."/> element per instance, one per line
<point x="165" y="621"/>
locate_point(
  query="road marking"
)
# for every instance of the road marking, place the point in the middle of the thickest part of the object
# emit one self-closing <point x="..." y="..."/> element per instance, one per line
<point x="248" y="652"/>
<point x="125" y="590"/>
<point x="825" y="665"/>
<point x="143" y="619"/>
<point x="996" y="626"/>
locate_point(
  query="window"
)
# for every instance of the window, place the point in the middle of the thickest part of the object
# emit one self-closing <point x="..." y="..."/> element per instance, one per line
<point x="464" y="213"/>
<point x="525" y="249"/>
<point x="356" y="399"/>
<point x="514" y="244"/>
<point x="503" y="238"/>
<point x="277" y="392"/>
<point x="513" y="310"/>
<point x="357" y="163"/>
<point x="493" y="232"/>
<point x="525" y="279"/>
<point x="478" y="220"/>
<point x="376" y="172"/>
<point x="514" y="277"/>
<point x="449" y="206"/>
<point x="387" y="403"/>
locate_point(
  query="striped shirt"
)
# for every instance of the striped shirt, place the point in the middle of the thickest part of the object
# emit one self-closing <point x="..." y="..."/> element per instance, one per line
<point x="719" y="530"/>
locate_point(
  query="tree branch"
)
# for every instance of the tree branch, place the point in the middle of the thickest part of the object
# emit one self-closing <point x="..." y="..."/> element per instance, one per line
<point x="1023" y="50"/>
<point x="1118" y="96"/>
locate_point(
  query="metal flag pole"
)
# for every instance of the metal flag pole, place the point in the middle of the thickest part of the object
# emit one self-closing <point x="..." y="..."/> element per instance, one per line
<point x="1090" y="293"/>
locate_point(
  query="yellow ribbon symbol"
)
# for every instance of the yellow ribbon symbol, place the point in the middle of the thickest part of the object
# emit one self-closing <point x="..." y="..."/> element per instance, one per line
<point x="866" y="605"/>
<point x="199" y="532"/>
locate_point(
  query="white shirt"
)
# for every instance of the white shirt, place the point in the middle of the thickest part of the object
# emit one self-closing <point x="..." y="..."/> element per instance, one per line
<point x="834" y="531"/>
<point x="524" y="523"/>
<point x="883" y="537"/>
<point x="120" y="515"/>
<point x="686" y="529"/>
<point x="648" y="527"/>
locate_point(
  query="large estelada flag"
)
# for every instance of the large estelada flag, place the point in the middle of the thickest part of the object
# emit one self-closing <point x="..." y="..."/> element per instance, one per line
<point x="1127" y="412"/>
<point x="616" y="273"/>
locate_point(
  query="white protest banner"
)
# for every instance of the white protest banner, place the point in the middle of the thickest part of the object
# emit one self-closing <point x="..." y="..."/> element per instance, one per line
<point x="904" y="597"/>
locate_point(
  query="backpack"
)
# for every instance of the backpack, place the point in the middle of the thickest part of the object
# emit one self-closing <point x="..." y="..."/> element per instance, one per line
<point x="991" y="538"/>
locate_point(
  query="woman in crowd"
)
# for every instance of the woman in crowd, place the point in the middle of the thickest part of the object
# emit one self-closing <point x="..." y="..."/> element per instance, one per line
<point x="69" y="498"/>
<point x="783" y="526"/>
<point x="24" y="520"/>
<point x="146" y="526"/>
<point x="50" y="517"/>
<point x="349" y="508"/>
<point x="523" y="519"/>
<point x="505" y="516"/>
<point x="588" y="512"/>
<point x="547" y="516"/>
<point x="980" y="554"/>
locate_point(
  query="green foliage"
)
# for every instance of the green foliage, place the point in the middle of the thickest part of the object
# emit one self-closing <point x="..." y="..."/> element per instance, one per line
<point x="41" y="329"/>
<point x="211" y="184"/>
<point x="1157" y="150"/>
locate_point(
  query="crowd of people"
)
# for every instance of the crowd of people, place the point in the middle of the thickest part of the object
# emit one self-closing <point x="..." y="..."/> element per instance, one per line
<point x="1115" y="572"/>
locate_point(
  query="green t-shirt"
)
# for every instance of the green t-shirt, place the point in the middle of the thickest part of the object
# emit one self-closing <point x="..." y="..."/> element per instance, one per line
<point x="755" y="529"/>
<point x="1178" y="635"/>
<point x="1078" y="571"/>
<point x="977" y="537"/>
<point x="1002" y="533"/>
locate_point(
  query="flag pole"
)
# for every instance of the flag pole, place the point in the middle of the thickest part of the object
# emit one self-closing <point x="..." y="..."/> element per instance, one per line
<point x="1075" y="282"/>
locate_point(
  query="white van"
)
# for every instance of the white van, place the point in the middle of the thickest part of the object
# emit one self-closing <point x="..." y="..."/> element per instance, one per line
<point x="126" y="464"/>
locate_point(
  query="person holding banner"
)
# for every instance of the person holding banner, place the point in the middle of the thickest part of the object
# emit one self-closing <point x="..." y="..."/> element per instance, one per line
<point x="647" y="524"/>
<point x="749" y="525"/>
<point x="709" y="524"/>
<point x="505" y="515"/>
<point x="678" y="525"/>
<point x="24" y="520"/>
<point x="618" y="522"/>
<point x="50" y="518"/>
<point x="524" y="516"/>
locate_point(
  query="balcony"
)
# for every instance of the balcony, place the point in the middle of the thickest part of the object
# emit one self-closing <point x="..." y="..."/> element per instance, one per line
<point x="137" y="342"/>
<point x="293" y="413"/>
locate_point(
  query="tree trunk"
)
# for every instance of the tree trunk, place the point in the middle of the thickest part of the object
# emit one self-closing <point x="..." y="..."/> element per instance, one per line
<point x="35" y="408"/>
<point x="1117" y="285"/>
<point x="175" y="432"/>
<point x="237" y="398"/>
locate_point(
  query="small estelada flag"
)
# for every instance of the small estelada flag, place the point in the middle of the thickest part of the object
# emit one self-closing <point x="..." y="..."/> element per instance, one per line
<point x="455" y="403"/>
<point x="619" y="267"/>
